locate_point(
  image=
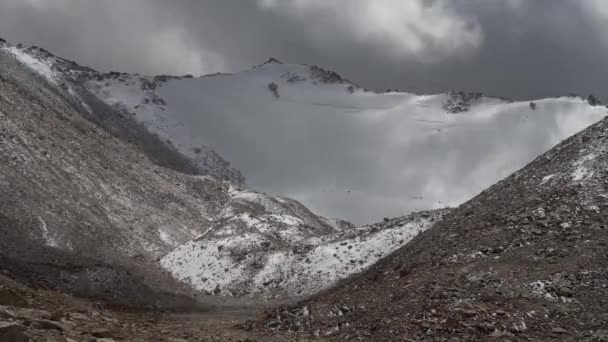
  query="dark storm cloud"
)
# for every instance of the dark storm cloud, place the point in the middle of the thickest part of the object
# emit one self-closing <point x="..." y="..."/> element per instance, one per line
<point x="513" y="48"/>
<point x="521" y="49"/>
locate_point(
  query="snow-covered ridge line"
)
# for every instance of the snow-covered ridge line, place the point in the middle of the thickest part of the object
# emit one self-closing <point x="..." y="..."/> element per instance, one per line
<point x="69" y="76"/>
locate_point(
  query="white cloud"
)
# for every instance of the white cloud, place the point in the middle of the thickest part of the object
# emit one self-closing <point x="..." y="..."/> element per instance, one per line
<point x="172" y="51"/>
<point x="427" y="31"/>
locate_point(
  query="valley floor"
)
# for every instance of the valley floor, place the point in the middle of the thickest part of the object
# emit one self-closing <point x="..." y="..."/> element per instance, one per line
<point x="40" y="315"/>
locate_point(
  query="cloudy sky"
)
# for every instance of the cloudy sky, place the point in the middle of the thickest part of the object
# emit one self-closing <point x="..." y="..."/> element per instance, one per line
<point x="511" y="48"/>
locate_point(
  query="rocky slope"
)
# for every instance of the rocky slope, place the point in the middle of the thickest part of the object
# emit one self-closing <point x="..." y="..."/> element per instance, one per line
<point x="524" y="260"/>
<point x="73" y="78"/>
<point x="28" y="315"/>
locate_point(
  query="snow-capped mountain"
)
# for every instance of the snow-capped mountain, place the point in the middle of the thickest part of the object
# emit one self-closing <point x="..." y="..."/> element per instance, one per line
<point x="138" y="171"/>
<point x="323" y="136"/>
<point x="88" y="192"/>
<point x="80" y="179"/>
<point x="305" y="124"/>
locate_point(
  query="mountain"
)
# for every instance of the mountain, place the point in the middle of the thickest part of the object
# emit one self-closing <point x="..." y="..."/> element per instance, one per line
<point x="111" y="193"/>
<point x="322" y="136"/>
<point x="92" y="184"/>
<point x="524" y="260"/>
<point x="122" y="171"/>
<point x="308" y="133"/>
<point x="93" y="199"/>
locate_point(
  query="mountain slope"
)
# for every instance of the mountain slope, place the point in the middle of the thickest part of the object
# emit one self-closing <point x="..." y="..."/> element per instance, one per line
<point x="524" y="260"/>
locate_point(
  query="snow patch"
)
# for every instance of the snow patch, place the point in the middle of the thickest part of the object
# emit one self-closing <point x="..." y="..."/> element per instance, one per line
<point x="546" y="179"/>
<point x="41" y="66"/>
<point x="581" y="171"/>
<point x="47" y="235"/>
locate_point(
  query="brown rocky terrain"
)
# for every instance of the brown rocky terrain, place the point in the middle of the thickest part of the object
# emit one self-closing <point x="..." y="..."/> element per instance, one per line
<point x="40" y="315"/>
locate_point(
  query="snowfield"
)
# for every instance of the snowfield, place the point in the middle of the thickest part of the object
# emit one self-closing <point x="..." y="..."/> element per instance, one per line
<point x="343" y="151"/>
<point x="339" y="149"/>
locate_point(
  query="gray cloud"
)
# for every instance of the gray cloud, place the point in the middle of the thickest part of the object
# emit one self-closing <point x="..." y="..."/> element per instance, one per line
<point x="519" y="49"/>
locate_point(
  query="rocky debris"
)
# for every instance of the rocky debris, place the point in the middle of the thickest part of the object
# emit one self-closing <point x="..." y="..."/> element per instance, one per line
<point x="460" y="101"/>
<point x="101" y="333"/>
<point x="12" y="332"/>
<point x="11" y="298"/>
<point x="293" y="77"/>
<point x="524" y="260"/>
<point x="593" y="101"/>
<point x="57" y="317"/>
<point x="326" y="76"/>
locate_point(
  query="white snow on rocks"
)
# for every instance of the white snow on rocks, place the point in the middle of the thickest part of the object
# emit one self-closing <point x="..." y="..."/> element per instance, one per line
<point x="546" y="179"/>
<point x="581" y="172"/>
<point x="253" y="264"/>
<point x="44" y="67"/>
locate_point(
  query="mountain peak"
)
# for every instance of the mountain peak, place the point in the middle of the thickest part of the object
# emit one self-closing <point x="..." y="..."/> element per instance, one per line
<point x="272" y="60"/>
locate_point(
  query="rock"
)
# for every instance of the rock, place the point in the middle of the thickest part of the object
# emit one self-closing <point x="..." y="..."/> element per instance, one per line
<point x="101" y="333"/>
<point x="273" y="324"/>
<point x="565" y="291"/>
<point x="274" y="88"/>
<point x="12" y="332"/>
<point x="11" y="298"/>
<point x="105" y="340"/>
<point x="35" y="326"/>
<point x="559" y="330"/>
<point x="51" y="325"/>
<point x="58" y="315"/>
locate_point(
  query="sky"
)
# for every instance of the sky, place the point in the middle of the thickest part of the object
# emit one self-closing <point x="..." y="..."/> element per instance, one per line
<point x="511" y="48"/>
